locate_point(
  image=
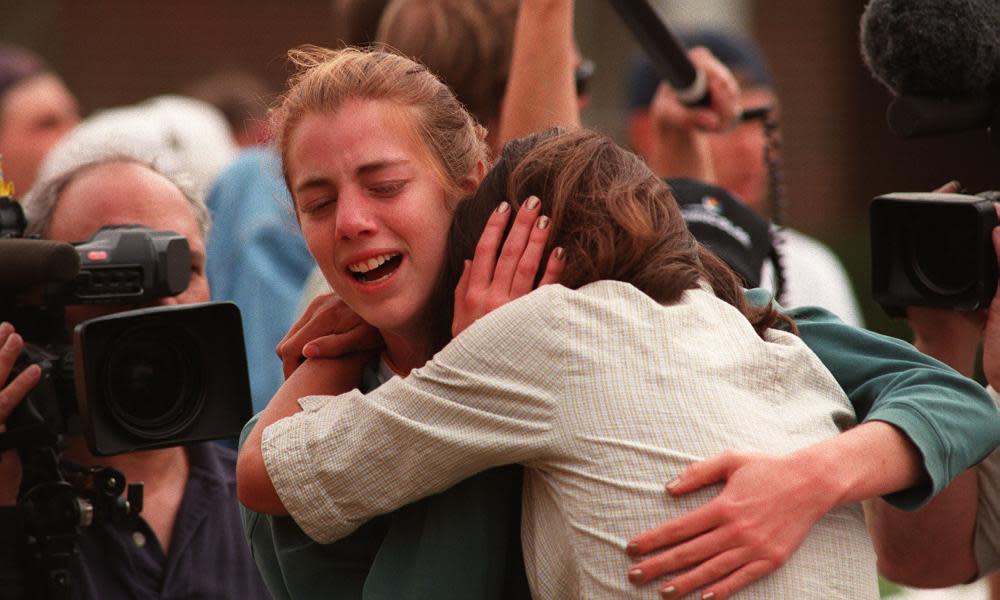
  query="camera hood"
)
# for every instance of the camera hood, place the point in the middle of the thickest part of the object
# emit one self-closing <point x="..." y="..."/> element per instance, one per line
<point x="162" y="376"/>
<point x="932" y="249"/>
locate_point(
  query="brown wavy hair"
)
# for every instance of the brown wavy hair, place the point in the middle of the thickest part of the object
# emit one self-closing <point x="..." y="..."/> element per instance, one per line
<point x="615" y="219"/>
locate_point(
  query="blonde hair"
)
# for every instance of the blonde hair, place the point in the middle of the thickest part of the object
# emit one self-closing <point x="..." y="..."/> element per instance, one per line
<point x="326" y="79"/>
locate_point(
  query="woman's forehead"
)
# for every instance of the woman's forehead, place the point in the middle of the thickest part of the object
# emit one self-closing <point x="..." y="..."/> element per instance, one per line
<point x="363" y="131"/>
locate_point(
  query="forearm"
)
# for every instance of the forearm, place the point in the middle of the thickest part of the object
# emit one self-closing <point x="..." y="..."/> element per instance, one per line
<point x="870" y="460"/>
<point x="950" y="418"/>
<point x="541" y="92"/>
<point x="339" y="463"/>
<point x="314" y="377"/>
<point x="930" y="547"/>
<point x="772" y="500"/>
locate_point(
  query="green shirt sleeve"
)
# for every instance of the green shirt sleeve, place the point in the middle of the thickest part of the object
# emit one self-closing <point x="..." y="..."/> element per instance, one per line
<point x="948" y="417"/>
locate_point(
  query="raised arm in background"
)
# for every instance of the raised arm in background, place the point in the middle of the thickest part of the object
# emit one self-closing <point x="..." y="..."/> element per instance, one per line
<point x="541" y="92"/>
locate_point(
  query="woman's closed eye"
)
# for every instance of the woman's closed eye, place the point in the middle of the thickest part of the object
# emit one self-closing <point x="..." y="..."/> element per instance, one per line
<point x="388" y="189"/>
<point x="314" y="205"/>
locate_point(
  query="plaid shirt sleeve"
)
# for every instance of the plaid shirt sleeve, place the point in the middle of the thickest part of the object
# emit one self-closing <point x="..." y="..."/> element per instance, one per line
<point x="489" y="398"/>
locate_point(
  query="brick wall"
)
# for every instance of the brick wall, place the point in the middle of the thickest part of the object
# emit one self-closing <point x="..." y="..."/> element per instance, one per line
<point x="839" y="152"/>
<point x="121" y="51"/>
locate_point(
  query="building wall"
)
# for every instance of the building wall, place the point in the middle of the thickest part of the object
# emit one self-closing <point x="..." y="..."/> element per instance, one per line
<point x="837" y="150"/>
<point x="120" y="51"/>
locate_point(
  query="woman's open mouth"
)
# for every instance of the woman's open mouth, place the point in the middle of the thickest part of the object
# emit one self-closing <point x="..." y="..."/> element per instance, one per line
<point x="376" y="268"/>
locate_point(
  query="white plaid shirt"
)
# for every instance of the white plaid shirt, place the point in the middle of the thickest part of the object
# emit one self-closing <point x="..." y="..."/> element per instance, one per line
<point x="604" y="395"/>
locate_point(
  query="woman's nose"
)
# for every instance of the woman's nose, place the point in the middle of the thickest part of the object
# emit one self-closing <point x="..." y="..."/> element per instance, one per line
<point x="355" y="216"/>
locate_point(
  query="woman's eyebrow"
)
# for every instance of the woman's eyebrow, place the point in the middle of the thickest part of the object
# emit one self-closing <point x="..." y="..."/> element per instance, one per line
<point x="312" y="182"/>
<point x="365" y="169"/>
<point x="380" y="164"/>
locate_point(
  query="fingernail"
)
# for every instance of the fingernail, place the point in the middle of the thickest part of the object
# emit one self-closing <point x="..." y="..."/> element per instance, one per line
<point x="560" y="253"/>
<point x="532" y="203"/>
<point x="543" y="222"/>
<point x="635" y="575"/>
<point x="708" y="596"/>
<point x="668" y="592"/>
<point x="632" y="549"/>
<point x="504" y="207"/>
<point x="309" y="350"/>
<point x="673" y="484"/>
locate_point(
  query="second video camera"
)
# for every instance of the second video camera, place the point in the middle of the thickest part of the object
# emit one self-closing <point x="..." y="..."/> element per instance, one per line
<point x="933" y="249"/>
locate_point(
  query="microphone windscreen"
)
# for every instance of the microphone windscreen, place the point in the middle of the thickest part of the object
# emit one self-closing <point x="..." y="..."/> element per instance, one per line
<point x="943" y="48"/>
<point x="25" y="263"/>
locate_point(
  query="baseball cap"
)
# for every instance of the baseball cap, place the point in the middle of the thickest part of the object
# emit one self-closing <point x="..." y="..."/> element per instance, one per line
<point x="724" y="225"/>
<point x="732" y="49"/>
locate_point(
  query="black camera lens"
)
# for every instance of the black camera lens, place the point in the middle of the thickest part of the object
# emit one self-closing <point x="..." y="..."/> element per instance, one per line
<point x="942" y="257"/>
<point x="151" y="383"/>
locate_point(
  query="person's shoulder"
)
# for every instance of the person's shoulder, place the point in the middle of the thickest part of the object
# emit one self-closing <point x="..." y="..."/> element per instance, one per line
<point x="552" y="305"/>
<point x="256" y="158"/>
<point x="533" y="314"/>
<point x="607" y="292"/>
<point x="251" y="168"/>
<point x="592" y="296"/>
<point x="215" y="459"/>
<point x="800" y="247"/>
<point x="815" y="276"/>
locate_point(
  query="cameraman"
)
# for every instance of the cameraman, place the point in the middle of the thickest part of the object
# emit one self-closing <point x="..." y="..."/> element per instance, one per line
<point x="956" y="537"/>
<point x="188" y="542"/>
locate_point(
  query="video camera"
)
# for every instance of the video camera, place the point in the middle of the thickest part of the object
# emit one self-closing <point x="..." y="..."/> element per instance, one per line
<point x="940" y="67"/>
<point x="133" y="380"/>
<point x="933" y="249"/>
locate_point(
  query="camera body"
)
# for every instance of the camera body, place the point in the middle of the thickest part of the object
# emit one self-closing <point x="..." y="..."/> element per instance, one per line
<point x="130" y="265"/>
<point x="133" y="380"/>
<point x="932" y="249"/>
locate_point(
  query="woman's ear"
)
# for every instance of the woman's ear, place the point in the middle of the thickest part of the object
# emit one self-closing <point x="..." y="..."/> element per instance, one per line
<point x="471" y="183"/>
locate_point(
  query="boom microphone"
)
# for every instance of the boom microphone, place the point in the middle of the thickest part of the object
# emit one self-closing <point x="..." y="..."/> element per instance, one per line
<point x="664" y="51"/>
<point x="941" y="58"/>
<point x="25" y="263"/>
